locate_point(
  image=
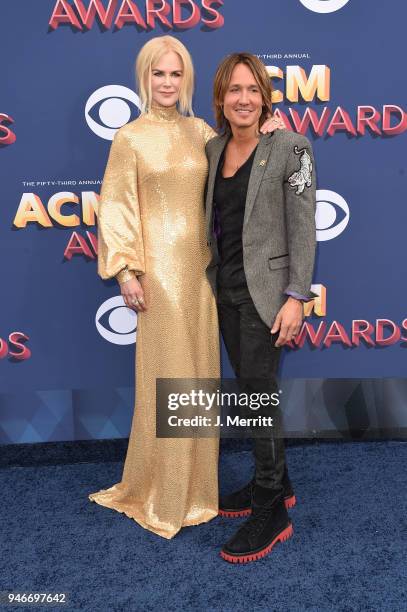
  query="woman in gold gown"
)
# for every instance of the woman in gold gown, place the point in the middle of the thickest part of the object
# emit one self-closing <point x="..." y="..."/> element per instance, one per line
<point x="151" y="225"/>
<point x="151" y="237"/>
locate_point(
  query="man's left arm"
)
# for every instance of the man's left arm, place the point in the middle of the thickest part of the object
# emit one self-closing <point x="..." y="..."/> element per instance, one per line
<point x="300" y="205"/>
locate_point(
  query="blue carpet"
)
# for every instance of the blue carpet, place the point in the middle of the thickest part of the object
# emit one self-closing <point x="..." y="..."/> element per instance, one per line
<point x="347" y="553"/>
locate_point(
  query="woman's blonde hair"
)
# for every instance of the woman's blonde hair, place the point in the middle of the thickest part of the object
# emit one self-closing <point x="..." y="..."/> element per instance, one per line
<point x="149" y="54"/>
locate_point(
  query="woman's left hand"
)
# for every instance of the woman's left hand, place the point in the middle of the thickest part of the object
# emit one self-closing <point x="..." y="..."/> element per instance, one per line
<point x="271" y="124"/>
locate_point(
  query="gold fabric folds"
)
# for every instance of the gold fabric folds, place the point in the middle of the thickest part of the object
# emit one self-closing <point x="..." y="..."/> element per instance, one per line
<point x="151" y="219"/>
<point x="120" y="236"/>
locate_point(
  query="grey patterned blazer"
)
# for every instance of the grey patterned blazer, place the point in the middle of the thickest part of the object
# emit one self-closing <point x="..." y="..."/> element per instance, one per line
<point x="279" y="220"/>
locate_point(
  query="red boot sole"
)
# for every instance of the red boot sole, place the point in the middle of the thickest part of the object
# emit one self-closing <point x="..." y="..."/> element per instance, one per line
<point x="287" y="533"/>
<point x="289" y="502"/>
<point x="235" y="513"/>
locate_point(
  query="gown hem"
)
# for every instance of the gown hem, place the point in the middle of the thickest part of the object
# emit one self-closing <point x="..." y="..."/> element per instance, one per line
<point x="208" y="514"/>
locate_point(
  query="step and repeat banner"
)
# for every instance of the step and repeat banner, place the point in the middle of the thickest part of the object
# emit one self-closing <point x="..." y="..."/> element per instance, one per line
<point x="66" y="341"/>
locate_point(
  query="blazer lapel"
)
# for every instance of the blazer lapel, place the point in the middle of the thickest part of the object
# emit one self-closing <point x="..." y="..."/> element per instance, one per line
<point x="217" y="149"/>
<point x="256" y="175"/>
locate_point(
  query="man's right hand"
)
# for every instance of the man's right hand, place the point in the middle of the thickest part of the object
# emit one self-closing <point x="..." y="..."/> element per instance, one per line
<point x="133" y="295"/>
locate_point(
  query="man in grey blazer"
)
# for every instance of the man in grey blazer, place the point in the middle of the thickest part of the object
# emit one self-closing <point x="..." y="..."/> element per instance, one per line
<point x="260" y="215"/>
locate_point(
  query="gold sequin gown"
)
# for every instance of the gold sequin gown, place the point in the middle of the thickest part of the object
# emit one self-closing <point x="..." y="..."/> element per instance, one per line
<point x="151" y="219"/>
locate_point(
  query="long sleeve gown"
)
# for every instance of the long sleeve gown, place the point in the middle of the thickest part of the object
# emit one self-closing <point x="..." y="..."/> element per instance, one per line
<point x="151" y="222"/>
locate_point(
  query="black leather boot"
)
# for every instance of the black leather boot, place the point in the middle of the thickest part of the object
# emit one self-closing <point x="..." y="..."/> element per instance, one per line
<point x="239" y="503"/>
<point x="268" y="525"/>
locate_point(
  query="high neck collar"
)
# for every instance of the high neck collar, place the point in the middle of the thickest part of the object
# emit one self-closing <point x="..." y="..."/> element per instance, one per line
<point x="164" y="114"/>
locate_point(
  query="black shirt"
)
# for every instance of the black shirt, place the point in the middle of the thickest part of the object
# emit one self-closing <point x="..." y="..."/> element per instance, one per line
<point x="229" y="201"/>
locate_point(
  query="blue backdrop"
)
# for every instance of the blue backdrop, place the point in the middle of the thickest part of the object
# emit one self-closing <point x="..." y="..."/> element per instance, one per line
<point x="67" y="356"/>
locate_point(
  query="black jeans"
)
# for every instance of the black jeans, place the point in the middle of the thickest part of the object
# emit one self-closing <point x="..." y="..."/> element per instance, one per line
<point x="252" y="354"/>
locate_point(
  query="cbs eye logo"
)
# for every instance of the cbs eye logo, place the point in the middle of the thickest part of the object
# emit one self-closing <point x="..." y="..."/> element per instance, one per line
<point x="121" y="320"/>
<point x="114" y="106"/>
<point x="332" y="214"/>
<point x="324" y="6"/>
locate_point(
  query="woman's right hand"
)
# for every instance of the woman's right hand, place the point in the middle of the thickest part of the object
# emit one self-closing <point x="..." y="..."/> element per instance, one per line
<point x="133" y="295"/>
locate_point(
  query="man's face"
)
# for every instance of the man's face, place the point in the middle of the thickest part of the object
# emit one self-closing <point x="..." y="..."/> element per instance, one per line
<point x="242" y="105"/>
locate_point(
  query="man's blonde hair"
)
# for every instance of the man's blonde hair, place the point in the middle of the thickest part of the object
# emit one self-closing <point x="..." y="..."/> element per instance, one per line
<point x="149" y="55"/>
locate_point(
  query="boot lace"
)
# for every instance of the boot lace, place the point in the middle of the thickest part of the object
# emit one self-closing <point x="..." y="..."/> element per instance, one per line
<point x="255" y="524"/>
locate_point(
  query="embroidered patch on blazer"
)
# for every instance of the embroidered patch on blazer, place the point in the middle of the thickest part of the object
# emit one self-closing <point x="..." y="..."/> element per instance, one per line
<point x="302" y="177"/>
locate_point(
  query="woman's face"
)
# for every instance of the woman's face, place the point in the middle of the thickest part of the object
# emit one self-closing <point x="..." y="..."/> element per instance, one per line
<point x="166" y="79"/>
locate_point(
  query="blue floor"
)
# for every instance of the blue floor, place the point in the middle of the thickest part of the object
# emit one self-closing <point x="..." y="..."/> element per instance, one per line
<point x="348" y="552"/>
